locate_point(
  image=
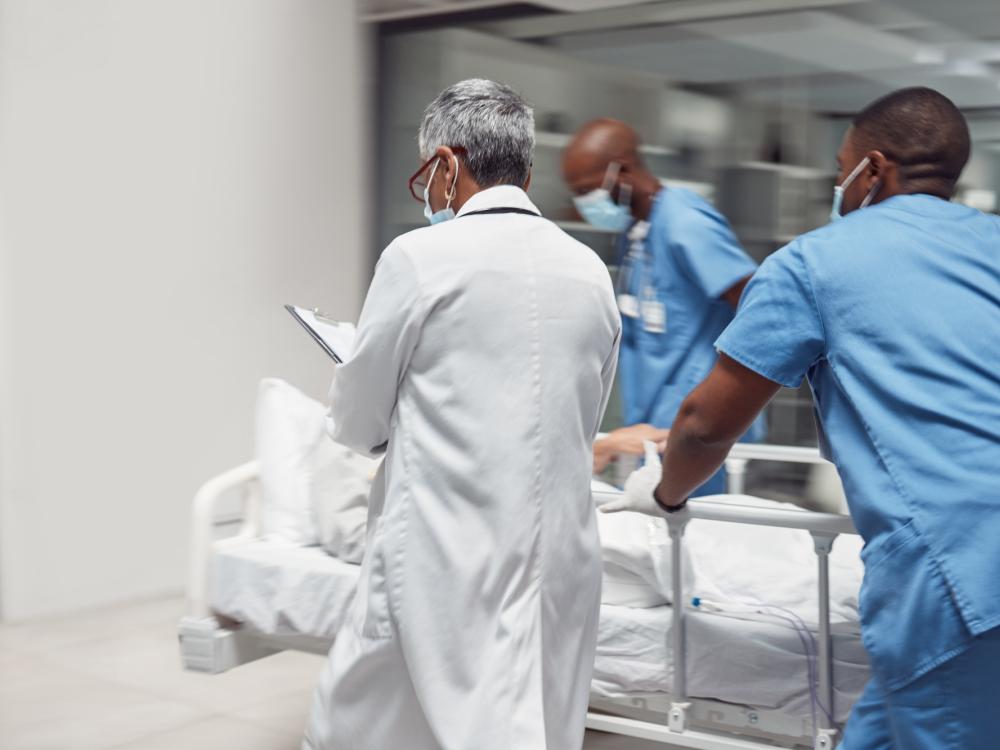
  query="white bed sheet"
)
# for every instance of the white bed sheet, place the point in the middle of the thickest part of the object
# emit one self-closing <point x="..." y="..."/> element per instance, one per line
<point x="282" y="589"/>
<point x="759" y="663"/>
<point x="753" y="660"/>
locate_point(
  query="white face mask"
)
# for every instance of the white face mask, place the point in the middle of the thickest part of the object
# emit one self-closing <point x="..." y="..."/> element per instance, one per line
<point x="838" y="190"/>
<point x="446" y="213"/>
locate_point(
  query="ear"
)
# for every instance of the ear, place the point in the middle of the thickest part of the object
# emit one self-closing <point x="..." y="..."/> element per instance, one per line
<point x="527" y="182"/>
<point x="448" y="170"/>
<point x="879" y="168"/>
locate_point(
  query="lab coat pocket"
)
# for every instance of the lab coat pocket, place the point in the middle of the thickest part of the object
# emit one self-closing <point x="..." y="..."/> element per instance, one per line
<point x="371" y="616"/>
<point x="910" y="622"/>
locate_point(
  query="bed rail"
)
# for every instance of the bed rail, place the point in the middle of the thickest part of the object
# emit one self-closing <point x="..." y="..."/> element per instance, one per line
<point x="244" y="479"/>
<point x="742" y="453"/>
<point x="824" y="529"/>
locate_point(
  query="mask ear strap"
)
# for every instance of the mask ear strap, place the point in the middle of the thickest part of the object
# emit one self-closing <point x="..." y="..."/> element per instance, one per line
<point x="611" y="175"/>
<point x="450" y="195"/>
<point x="855" y="172"/>
<point x="625" y="195"/>
<point x="430" y="179"/>
<point x="872" y="193"/>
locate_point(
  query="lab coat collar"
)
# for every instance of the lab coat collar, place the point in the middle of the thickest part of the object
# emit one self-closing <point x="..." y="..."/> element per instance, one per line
<point x="500" y="196"/>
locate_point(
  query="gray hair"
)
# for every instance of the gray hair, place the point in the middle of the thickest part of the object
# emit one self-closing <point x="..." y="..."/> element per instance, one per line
<point x="491" y="121"/>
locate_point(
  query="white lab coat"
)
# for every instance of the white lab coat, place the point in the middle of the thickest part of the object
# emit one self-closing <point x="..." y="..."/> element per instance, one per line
<point x="483" y="363"/>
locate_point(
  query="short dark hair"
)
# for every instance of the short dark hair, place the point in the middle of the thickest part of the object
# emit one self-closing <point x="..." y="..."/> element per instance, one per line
<point x="923" y="132"/>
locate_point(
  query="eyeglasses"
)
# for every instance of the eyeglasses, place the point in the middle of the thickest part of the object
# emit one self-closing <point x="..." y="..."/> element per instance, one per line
<point x="417" y="184"/>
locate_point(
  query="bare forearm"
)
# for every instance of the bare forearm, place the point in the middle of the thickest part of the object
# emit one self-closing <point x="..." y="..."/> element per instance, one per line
<point x="688" y="463"/>
<point x="711" y="419"/>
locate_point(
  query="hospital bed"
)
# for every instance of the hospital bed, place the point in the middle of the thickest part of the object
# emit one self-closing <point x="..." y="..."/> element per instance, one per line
<point x="680" y="675"/>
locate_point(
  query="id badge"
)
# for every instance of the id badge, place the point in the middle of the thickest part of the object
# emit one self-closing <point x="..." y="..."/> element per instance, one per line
<point x="628" y="305"/>
<point x="654" y="316"/>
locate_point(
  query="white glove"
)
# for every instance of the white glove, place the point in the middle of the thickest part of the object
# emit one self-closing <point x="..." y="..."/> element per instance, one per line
<point x="638" y="493"/>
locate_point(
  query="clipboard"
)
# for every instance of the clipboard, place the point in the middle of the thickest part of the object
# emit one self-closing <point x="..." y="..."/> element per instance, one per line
<point x="333" y="337"/>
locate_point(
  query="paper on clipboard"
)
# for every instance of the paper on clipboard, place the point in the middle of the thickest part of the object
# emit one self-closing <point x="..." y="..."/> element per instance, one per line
<point x="336" y="339"/>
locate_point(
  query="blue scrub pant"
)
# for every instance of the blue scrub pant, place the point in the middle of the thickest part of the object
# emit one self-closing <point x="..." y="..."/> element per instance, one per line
<point x="955" y="706"/>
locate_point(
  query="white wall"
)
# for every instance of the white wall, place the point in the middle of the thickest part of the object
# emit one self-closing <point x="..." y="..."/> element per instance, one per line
<point x="170" y="172"/>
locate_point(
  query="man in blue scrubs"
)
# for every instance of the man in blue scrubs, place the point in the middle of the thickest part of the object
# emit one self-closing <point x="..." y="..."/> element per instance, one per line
<point x="893" y="314"/>
<point x="681" y="274"/>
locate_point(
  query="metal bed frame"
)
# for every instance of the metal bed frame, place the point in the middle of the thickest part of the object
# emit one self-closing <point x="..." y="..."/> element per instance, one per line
<point x="210" y="644"/>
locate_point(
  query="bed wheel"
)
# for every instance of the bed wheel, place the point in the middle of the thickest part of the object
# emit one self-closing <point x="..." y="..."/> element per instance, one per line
<point x="826" y="739"/>
<point x="208" y="646"/>
<point x="678" y="717"/>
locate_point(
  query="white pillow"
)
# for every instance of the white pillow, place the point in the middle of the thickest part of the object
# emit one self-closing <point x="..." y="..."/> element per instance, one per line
<point x="304" y="475"/>
<point x="623" y="588"/>
<point x="740" y="564"/>
<point x="343" y="532"/>
<point x="635" y="552"/>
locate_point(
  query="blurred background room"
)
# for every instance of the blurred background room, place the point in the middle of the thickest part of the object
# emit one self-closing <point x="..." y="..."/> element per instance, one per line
<point x="173" y="171"/>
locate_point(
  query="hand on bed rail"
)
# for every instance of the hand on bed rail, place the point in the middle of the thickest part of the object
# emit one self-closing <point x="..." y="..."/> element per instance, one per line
<point x="637" y="495"/>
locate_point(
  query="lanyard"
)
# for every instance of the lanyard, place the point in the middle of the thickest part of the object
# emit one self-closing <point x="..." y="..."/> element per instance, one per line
<point x="646" y="306"/>
<point x="634" y="257"/>
<point x="502" y="210"/>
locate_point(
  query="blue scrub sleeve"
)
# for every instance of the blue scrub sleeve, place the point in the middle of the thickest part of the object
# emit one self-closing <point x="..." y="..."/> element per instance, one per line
<point x="708" y="251"/>
<point x="777" y="331"/>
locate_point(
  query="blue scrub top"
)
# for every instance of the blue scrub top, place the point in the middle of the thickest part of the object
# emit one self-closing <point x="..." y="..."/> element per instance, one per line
<point x="690" y="258"/>
<point x="893" y="313"/>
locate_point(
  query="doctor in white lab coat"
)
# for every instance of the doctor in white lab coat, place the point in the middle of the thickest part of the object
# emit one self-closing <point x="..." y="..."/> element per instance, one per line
<point x="482" y="366"/>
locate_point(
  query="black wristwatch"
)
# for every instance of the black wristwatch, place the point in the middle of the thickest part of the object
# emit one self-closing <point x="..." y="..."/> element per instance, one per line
<point x="669" y="508"/>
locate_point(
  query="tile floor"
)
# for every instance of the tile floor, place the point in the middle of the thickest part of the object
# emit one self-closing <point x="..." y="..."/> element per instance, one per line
<point x="111" y="680"/>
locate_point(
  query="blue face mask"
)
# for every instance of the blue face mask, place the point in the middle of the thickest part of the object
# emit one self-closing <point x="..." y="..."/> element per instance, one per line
<point x="599" y="210"/>
<point x="446" y="213"/>
<point x="838" y="191"/>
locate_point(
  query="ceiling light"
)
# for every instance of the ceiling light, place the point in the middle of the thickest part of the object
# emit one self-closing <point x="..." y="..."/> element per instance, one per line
<point x="930" y="56"/>
<point x="969" y="68"/>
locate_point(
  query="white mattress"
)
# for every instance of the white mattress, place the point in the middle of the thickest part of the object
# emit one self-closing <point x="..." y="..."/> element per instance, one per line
<point x="281" y="589"/>
<point x="751" y="659"/>
<point x="753" y="662"/>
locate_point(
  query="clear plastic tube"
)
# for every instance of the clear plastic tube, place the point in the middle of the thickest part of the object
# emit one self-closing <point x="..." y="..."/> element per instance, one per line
<point x="801" y="628"/>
